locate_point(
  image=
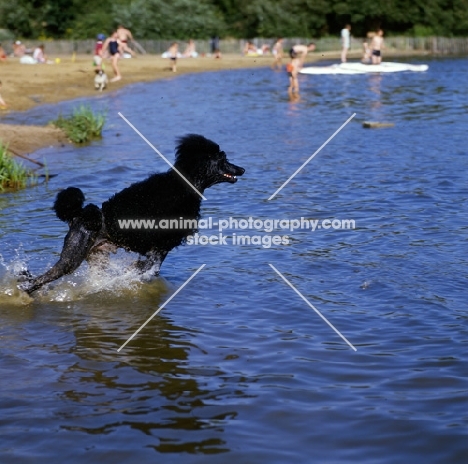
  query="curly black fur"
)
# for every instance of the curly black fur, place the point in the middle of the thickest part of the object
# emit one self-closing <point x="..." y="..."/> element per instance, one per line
<point x="162" y="196"/>
<point x="69" y="203"/>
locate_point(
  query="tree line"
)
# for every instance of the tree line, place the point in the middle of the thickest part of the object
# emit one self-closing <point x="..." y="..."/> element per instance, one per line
<point x="201" y="19"/>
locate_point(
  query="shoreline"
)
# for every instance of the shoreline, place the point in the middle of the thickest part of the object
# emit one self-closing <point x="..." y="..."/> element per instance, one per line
<point x="28" y="86"/>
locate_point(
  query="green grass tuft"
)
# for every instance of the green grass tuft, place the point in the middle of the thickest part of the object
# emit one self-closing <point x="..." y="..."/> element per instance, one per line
<point x="13" y="175"/>
<point x="83" y="125"/>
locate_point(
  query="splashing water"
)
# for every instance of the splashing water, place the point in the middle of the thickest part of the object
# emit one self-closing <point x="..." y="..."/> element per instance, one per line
<point x="119" y="280"/>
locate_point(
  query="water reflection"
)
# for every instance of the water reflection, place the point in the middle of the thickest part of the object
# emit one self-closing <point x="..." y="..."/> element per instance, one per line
<point x="375" y="82"/>
<point x="150" y="387"/>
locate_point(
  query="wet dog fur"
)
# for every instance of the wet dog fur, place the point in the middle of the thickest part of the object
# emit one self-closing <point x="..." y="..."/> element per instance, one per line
<point x="95" y="232"/>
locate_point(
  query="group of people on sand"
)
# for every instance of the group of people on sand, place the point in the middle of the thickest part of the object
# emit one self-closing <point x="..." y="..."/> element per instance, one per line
<point x="18" y="50"/>
<point x="26" y="56"/>
<point x="116" y="46"/>
<point x="250" y="49"/>
<point x="373" y="45"/>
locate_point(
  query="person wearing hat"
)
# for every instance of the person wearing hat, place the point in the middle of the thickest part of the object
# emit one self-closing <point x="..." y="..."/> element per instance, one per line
<point x="18" y="49"/>
<point x="98" y="52"/>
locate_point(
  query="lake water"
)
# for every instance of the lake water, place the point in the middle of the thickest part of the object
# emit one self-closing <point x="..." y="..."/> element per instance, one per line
<point x="238" y="367"/>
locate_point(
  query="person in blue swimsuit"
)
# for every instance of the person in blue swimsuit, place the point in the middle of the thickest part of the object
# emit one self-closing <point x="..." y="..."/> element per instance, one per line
<point x="173" y="54"/>
<point x="113" y="45"/>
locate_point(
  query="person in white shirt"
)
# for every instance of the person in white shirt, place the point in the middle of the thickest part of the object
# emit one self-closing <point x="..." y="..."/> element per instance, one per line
<point x="345" y="42"/>
<point x="39" y="54"/>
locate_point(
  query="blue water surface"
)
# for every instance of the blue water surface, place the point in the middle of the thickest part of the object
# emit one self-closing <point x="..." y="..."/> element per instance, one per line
<point x="238" y="367"/>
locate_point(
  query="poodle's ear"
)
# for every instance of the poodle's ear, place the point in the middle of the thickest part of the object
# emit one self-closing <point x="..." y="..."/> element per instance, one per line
<point x="69" y="203"/>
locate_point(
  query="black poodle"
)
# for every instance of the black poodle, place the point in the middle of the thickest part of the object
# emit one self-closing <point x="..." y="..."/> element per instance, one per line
<point x="95" y="232"/>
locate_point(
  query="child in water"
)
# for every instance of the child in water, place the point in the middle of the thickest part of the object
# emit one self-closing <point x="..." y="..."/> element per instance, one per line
<point x="292" y="69"/>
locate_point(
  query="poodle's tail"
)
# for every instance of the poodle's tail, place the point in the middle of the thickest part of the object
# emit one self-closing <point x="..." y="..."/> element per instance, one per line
<point x="69" y="203"/>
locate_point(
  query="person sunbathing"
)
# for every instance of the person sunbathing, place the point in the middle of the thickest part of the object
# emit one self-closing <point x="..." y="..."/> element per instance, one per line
<point x="190" y="51"/>
<point x="39" y="54"/>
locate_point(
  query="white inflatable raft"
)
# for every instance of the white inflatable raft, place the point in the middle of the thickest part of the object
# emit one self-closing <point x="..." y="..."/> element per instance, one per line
<point x="361" y="68"/>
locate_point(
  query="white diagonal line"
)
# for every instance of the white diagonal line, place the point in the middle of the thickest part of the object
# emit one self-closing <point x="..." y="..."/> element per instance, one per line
<point x="312" y="306"/>
<point x="297" y="171"/>
<point x="164" y="304"/>
<point x="160" y="154"/>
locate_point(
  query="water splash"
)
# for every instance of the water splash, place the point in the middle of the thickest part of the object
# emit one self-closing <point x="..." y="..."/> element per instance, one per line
<point x="118" y="280"/>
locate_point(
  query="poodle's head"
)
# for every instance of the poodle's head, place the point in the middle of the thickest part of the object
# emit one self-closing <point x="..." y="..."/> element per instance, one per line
<point x="202" y="162"/>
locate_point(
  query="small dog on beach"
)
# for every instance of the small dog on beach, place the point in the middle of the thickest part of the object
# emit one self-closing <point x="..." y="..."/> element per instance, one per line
<point x="95" y="232"/>
<point x="100" y="80"/>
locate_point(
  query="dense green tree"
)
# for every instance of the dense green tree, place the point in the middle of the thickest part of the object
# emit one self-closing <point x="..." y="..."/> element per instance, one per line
<point x="460" y="17"/>
<point x="286" y="18"/>
<point x="178" y="19"/>
<point x="46" y="18"/>
<point x="181" y="19"/>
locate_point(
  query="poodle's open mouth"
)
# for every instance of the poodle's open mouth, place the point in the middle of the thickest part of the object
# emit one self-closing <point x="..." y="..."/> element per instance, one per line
<point x="230" y="178"/>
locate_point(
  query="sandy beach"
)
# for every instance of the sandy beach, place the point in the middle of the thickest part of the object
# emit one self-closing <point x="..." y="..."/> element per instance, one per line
<point x="26" y="86"/>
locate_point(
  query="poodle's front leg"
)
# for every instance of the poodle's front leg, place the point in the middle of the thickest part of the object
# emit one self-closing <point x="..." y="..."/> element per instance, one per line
<point x="152" y="264"/>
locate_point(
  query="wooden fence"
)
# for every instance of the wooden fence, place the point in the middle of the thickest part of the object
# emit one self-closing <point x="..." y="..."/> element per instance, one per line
<point x="432" y="45"/>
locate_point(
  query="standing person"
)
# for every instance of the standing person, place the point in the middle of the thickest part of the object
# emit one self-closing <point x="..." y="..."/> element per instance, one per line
<point x="377" y="45"/>
<point x="277" y="51"/>
<point x="172" y="53"/>
<point x="292" y="69"/>
<point x="214" y="47"/>
<point x="301" y="52"/>
<point x="113" y="45"/>
<point x="345" y="41"/>
<point x="124" y="35"/>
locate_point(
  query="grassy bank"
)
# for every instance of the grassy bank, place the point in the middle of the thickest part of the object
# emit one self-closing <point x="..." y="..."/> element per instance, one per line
<point x="83" y="125"/>
<point x="13" y="175"/>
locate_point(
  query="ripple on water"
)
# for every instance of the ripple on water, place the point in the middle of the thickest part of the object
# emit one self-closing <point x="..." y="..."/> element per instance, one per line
<point x="237" y="365"/>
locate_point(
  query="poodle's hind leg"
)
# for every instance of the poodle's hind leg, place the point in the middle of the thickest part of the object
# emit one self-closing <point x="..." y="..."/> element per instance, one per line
<point x="84" y="230"/>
